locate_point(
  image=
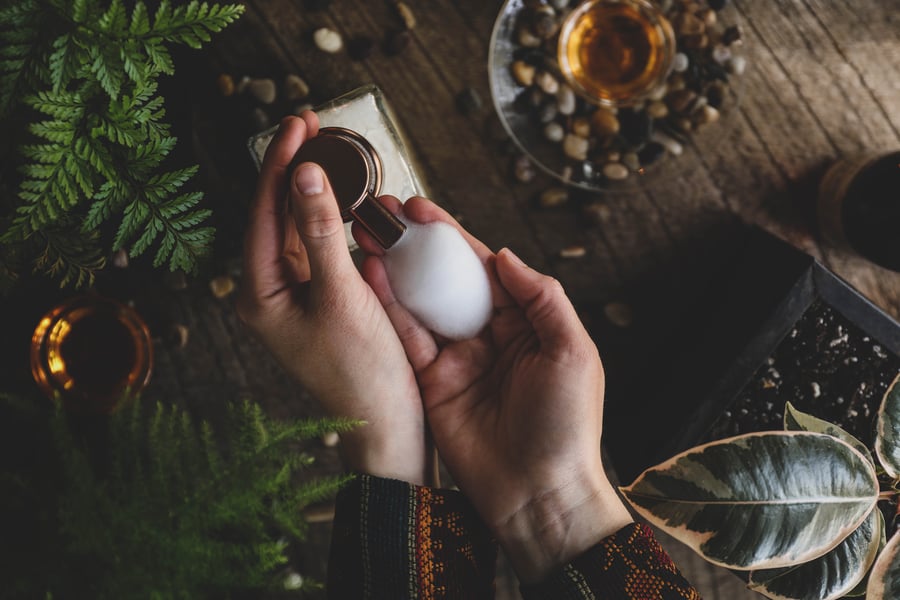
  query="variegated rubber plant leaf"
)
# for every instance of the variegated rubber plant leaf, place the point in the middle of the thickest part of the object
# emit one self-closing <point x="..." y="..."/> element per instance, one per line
<point x="860" y="589"/>
<point x="828" y="577"/>
<point x="884" y="580"/>
<point x="759" y="500"/>
<point x="887" y="440"/>
<point x="796" y="420"/>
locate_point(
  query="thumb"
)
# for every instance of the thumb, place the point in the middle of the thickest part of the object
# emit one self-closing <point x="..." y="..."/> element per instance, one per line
<point x="542" y="298"/>
<point x="319" y="223"/>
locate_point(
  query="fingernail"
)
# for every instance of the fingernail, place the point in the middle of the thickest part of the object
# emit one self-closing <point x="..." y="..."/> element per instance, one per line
<point x="515" y="259"/>
<point x="309" y="180"/>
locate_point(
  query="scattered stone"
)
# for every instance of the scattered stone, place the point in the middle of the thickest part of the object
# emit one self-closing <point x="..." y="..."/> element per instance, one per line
<point x="686" y="24"/>
<point x="657" y="109"/>
<point x="682" y="125"/>
<point x="120" y="259"/>
<point x="680" y="62"/>
<point x="299" y="109"/>
<point x="715" y="95"/>
<point x="581" y="127"/>
<point x="361" y="47"/>
<point x="548" y="112"/>
<point x="523" y="169"/>
<point x="566" y="173"/>
<point x="397" y="42"/>
<point x="554" y="132"/>
<point x="573" y="252"/>
<point x="469" y="101"/>
<point x="242" y="84"/>
<point x="597" y="213"/>
<point x="225" y="83"/>
<point x="179" y="335"/>
<point x="259" y="120"/>
<point x="559" y="4"/>
<point x="669" y="143"/>
<point x="619" y="314"/>
<point x="263" y="90"/>
<point x="293" y="581"/>
<point x="612" y="156"/>
<point x="604" y="122"/>
<point x="547" y="82"/>
<point x="708" y="16"/>
<point x="705" y="115"/>
<point x="523" y="73"/>
<point x="295" y="87"/>
<point x="526" y="37"/>
<point x="658" y="93"/>
<point x="331" y="439"/>
<point x="545" y="24"/>
<point x="731" y="35"/>
<point x="553" y="197"/>
<point x="676" y="82"/>
<point x="565" y="100"/>
<point x="736" y="65"/>
<point x="632" y="160"/>
<point x="222" y="286"/>
<point x="406" y="15"/>
<point x="575" y="147"/>
<point x="615" y="171"/>
<point x="721" y="54"/>
<point x="328" y="40"/>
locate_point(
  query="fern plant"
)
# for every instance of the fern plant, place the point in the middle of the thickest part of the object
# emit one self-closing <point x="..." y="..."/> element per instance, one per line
<point x="82" y="116"/>
<point x="161" y="508"/>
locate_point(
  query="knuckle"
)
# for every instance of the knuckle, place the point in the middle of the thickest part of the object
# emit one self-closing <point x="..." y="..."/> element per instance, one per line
<point x="321" y="224"/>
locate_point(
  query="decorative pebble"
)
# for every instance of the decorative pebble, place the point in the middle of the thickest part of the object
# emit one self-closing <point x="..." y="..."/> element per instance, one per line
<point x="328" y="40"/>
<point x="657" y="109"/>
<point x="676" y="82"/>
<point x="263" y="90"/>
<point x="731" y="35"/>
<point x="565" y="100"/>
<point x="554" y="132"/>
<point x="179" y="335"/>
<point x="361" y="47"/>
<point x="721" y="54"/>
<point x="708" y="17"/>
<point x="632" y="160"/>
<point x="553" y="197"/>
<point x="559" y="4"/>
<point x="575" y="147"/>
<point x="397" y="42"/>
<point x="619" y="314"/>
<point x="469" y="101"/>
<point x="523" y="169"/>
<point x="615" y="171"/>
<point x="688" y="24"/>
<point x="406" y="15"/>
<point x="705" y="115"/>
<point x="225" y="83"/>
<point x="680" y="62"/>
<point x="242" y="84"/>
<point x="715" y="95"/>
<point x="604" y="122"/>
<point x="597" y="213"/>
<point x="736" y="65"/>
<point x="548" y="112"/>
<point x="670" y="143"/>
<point x="295" y="87"/>
<point x="523" y="73"/>
<point x="547" y="82"/>
<point x="573" y="252"/>
<point x="293" y="581"/>
<point x="545" y="23"/>
<point x="331" y="439"/>
<point x="120" y="259"/>
<point x="581" y="127"/>
<point x="222" y="286"/>
<point x="526" y="37"/>
<point x="299" y="109"/>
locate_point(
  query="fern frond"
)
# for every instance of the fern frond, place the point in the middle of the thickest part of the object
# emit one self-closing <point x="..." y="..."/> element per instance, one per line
<point x="192" y="24"/>
<point x="69" y="256"/>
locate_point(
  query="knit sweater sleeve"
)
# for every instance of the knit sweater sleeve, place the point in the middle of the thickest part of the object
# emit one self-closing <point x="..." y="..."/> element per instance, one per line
<point x="392" y="539"/>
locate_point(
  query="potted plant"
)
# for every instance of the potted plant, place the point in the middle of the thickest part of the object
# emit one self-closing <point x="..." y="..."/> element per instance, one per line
<point x="797" y="510"/>
<point x="83" y="156"/>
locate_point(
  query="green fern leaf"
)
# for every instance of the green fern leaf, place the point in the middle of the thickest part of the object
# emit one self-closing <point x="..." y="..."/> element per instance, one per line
<point x="106" y="65"/>
<point x="140" y="20"/>
<point x="133" y="219"/>
<point x="64" y="106"/>
<point x="65" y="59"/>
<point x="114" y="20"/>
<point x="159" y="56"/>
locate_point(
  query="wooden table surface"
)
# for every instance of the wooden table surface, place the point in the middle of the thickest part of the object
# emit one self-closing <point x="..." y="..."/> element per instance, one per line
<point x="823" y="82"/>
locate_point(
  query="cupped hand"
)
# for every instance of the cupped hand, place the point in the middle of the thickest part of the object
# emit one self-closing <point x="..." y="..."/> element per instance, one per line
<point x="516" y="413"/>
<point x="304" y="298"/>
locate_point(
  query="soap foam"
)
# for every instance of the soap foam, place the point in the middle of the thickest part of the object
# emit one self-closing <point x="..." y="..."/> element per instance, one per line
<point x="437" y="276"/>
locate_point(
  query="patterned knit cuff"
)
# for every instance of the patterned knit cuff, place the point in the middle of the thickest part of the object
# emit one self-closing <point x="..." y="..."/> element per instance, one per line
<point x="392" y="539"/>
<point x="628" y="565"/>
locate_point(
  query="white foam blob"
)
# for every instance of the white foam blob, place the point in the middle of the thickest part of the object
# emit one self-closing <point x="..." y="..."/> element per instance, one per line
<point x="437" y="276"/>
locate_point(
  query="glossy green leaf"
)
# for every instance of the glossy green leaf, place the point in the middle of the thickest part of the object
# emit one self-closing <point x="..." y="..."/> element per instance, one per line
<point x="797" y="420"/>
<point x="887" y="442"/>
<point x="884" y="580"/>
<point x="760" y="500"/>
<point x="830" y="576"/>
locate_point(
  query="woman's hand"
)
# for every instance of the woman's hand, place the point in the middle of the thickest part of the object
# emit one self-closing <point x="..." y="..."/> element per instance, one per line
<point x="516" y="413"/>
<point x="304" y="298"/>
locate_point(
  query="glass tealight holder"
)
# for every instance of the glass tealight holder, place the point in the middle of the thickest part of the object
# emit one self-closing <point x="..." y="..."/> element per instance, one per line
<point x="92" y="353"/>
<point x="366" y="112"/>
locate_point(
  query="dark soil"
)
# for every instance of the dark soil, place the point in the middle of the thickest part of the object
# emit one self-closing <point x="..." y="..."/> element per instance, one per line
<point x="825" y="366"/>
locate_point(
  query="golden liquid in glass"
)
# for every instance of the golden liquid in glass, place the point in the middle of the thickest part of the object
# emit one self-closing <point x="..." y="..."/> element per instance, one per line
<point x="615" y="51"/>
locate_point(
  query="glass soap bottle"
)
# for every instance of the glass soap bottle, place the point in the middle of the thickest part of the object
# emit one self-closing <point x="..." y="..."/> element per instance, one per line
<point x="859" y="207"/>
<point x="365" y="111"/>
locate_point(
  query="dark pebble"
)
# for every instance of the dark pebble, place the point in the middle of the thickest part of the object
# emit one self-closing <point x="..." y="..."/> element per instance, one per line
<point x="636" y="126"/>
<point x="360" y="47"/>
<point x="715" y="96"/>
<point x="397" y="42"/>
<point x="469" y="101"/>
<point x="651" y="153"/>
<point x="731" y="35"/>
<point x="717" y="4"/>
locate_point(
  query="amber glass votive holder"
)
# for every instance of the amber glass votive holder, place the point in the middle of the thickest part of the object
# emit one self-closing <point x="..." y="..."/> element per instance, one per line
<point x="92" y="353"/>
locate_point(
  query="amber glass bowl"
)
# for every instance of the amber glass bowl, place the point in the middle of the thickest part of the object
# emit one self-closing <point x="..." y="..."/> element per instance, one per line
<point x="92" y="353"/>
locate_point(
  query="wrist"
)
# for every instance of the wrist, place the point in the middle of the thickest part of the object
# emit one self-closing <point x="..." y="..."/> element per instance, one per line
<point x="558" y="525"/>
<point x="382" y="456"/>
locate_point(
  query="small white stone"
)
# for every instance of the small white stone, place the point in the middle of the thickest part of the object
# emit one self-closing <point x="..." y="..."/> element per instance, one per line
<point x="669" y="143"/>
<point x="547" y="82"/>
<point x="527" y="38"/>
<point x="331" y="439"/>
<point x="721" y="54"/>
<point x="737" y="65"/>
<point x="575" y="147"/>
<point x="565" y="100"/>
<point x="554" y="132"/>
<point x="658" y="93"/>
<point x="293" y="581"/>
<point x="631" y="160"/>
<point x="328" y="40"/>
<point x="615" y="171"/>
<point x="680" y="62"/>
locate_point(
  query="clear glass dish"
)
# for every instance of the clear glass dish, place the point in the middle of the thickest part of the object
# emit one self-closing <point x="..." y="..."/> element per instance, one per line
<point x="527" y="132"/>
